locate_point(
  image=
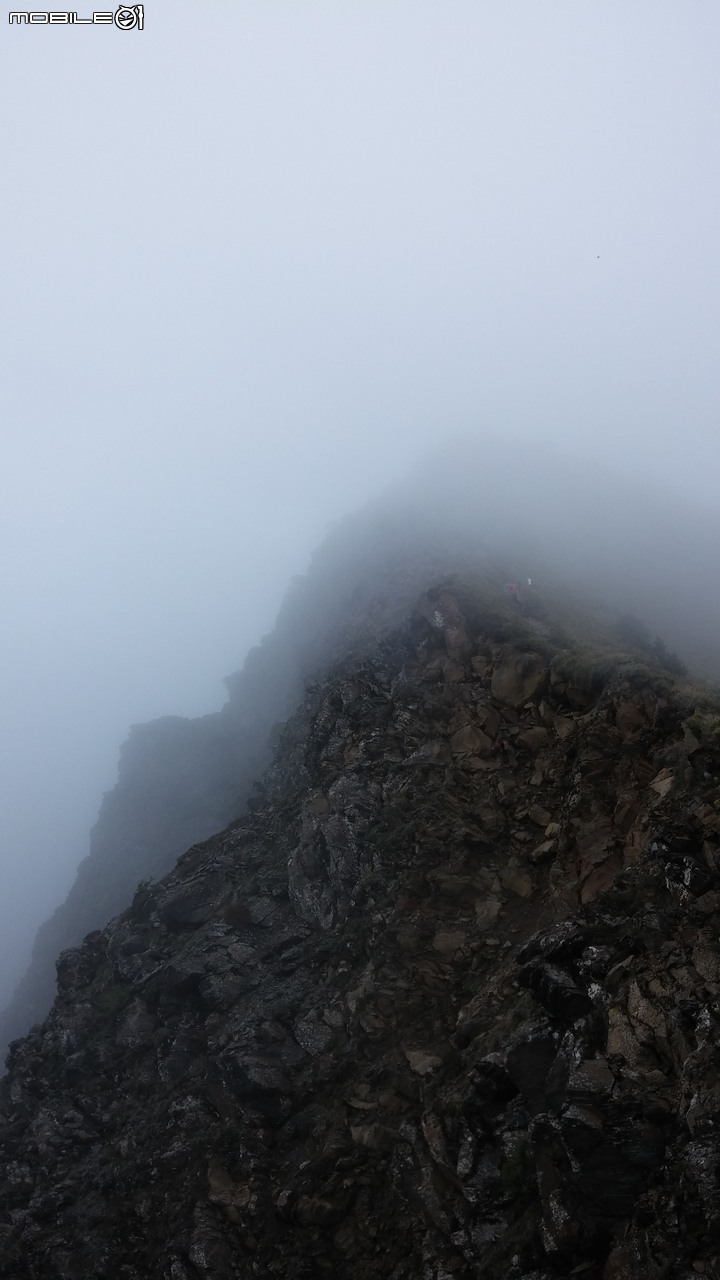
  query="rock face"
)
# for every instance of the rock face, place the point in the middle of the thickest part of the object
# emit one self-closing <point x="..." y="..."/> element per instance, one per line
<point x="444" y="1004"/>
<point x="181" y="780"/>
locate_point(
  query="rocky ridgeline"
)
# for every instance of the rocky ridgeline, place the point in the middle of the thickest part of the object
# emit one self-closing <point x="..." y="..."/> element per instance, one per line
<point x="443" y="1005"/>
<point x="179" y="780"/>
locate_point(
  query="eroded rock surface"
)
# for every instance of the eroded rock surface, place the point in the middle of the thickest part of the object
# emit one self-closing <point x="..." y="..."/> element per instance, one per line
<point x="443" y="1005"/>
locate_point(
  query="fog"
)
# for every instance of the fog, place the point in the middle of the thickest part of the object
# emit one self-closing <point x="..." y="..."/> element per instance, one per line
<point x="258" y="260"/>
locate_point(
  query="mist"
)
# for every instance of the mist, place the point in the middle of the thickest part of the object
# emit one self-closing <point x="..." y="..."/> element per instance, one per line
<point x="258" y="262"/>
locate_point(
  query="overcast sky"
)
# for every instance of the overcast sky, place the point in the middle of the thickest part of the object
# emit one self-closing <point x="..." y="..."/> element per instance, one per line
<point x="259" y="256"/>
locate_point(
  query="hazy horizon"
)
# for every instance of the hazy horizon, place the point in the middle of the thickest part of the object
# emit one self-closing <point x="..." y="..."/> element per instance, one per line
<point x="258" y="261"/>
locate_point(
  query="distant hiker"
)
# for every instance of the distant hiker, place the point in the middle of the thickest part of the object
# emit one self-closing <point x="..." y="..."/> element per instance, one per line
<point x="513" y="591"/>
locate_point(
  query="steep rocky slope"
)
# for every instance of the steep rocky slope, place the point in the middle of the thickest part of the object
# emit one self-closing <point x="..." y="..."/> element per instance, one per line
<point x="180" y="780"/>
<point x="627" y="548"/>
<point x="443" y="1004"/>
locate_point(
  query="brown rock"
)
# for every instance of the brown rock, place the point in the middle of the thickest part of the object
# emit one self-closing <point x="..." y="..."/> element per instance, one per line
<point x="600" y="878"/>
<point x="629" y="719"/>
<point x="469" y="740"/>
<point x="448" y="942"/>
<point x="520" y="680"/>
<point x="481" y="765"/>
<point x="662" y="782"/>
<point x="565" y="727"/>
<point x="707" y="963"/>
<point x="487" y="911"/>
<point x="443" y="612"/>
<point x="541" y="817"/>
<point x="625" y="814"/>
<point x="621" y="1039"/>
<point x="542" y="852"/>
<point x="518" y="882"/>
<point x="490" y="719"/>
<point x="374" y="1136"/>
<point x="621" y="1265"/>
<point x="422" y="1062"/>
<point x="234" y="1197"/>
<point x="318" y="804"/>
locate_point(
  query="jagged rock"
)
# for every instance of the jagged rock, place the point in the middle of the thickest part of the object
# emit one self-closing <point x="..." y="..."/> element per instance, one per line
<point x="449" y="942"/>
<point x="533" y="739"/>
<point x="354" y="1035"/>
<point x="556" y="990"/>
<point x="541" y="817"/>
<point x="487" y="911"/>
<point x="662" y="784"/>
<point x="200" y="902"/>
<point x="422" y="1062"/>
<point x="519" y="680"/>
<point x="518" y="882"/>
<point x="469" y="740"/>
<point x="543" y="851"/>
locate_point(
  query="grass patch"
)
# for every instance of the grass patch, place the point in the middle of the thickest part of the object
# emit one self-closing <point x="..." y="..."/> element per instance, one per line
<point x="706" y="728"/>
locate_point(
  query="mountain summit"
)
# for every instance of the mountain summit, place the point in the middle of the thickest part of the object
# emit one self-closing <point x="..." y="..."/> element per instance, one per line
<point x="598" y="545"/>
<point x="441" y="1004"/>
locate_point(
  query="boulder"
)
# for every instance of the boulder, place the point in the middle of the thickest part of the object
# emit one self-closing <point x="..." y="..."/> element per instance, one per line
<point x="519" y="680"/>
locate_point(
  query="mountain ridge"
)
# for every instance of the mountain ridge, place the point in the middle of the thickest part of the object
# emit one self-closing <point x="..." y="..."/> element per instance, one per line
<point x="180" y="780"/>
<point x="442" y="1003"/>
<point x="596" y="543"/>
